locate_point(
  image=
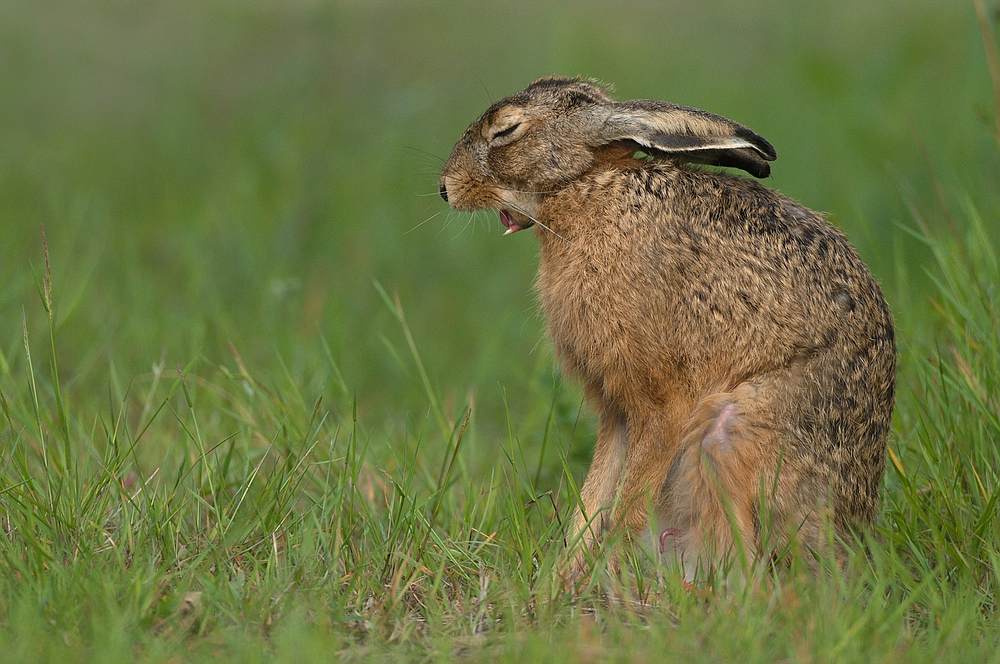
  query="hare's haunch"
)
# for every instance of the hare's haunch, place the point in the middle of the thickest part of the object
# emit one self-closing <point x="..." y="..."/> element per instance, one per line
<point x="739" y="353"/>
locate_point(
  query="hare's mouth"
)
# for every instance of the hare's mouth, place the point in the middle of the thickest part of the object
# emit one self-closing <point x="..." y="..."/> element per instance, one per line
<point x="514" y="221"/>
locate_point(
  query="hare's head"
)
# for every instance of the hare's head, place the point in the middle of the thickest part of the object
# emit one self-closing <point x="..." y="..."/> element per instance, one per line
<point x="532" y="144"/>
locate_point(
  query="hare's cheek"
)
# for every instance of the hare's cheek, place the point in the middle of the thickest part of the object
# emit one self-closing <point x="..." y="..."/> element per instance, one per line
<point x="499" y="163"/>
<point x="516" y="162"/>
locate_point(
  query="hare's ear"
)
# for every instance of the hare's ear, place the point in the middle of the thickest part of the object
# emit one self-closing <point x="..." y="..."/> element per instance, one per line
<point x="689" y="134"/>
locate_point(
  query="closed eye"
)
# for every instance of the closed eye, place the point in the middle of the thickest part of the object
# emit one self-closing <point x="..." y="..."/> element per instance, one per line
<point x="506" y="131"/>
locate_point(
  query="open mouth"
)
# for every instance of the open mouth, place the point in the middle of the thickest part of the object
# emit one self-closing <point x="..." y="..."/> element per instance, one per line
<point x="513" y="221"/>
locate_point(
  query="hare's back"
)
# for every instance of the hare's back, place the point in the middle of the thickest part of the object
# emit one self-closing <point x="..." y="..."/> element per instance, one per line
<point x="743" y="260"/>
<point x="703" y="269"/>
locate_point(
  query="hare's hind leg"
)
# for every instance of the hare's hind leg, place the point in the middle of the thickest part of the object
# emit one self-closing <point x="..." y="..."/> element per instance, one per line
<point x="727" y="465"/>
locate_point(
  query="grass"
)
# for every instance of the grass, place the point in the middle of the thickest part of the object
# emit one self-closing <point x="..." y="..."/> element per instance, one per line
<point x="251" y="407"/>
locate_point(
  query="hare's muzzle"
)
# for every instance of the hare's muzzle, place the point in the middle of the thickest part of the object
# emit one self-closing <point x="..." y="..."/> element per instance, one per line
<point x="443" y="190"/>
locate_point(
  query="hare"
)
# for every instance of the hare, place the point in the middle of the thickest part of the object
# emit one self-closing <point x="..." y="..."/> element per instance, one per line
<point x="740" y="355"/>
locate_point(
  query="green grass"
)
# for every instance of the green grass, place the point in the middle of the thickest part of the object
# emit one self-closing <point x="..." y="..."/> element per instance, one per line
<point x="262" y="399"/>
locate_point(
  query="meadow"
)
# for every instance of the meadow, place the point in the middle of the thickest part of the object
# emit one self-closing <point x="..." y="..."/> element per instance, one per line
<point x="264" y="398"/>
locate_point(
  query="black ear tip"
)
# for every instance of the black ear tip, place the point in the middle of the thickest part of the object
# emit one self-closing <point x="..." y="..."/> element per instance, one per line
<point x="756" y="159"/>
<point x="751" y="162"/>
<point x="760" y="144"/>
<point x="767" y="150"/>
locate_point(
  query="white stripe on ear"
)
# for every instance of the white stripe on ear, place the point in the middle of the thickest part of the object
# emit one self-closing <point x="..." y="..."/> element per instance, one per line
<point x="689" y="133"/>
<point x="666" y="142"/>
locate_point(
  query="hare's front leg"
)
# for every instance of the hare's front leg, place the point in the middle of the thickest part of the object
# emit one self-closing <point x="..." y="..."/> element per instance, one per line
<point x="599" y="489"/>
<point x="651" y="451"/>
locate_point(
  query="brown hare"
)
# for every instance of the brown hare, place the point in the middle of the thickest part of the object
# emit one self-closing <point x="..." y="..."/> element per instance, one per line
<point x="740" y="355"/>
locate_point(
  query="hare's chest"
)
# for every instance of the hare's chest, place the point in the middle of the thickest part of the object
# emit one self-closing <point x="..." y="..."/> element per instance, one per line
<point x="596" y="312"/>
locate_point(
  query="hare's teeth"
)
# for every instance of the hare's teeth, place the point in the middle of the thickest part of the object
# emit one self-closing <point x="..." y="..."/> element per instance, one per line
<point x="512" y="226"/>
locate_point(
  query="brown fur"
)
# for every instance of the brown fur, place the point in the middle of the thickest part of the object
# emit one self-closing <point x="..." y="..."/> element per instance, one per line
<point x="739" y="353"/>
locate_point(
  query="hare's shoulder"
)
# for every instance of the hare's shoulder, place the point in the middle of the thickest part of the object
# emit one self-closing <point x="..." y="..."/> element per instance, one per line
<point x="684" y="204"/>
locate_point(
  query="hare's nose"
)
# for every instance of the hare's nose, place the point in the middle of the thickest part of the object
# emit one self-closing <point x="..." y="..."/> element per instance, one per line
<point x="443" y="191"/>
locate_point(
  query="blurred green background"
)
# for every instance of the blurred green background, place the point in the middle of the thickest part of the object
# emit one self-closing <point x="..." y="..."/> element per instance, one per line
<point x="217" y="171"/>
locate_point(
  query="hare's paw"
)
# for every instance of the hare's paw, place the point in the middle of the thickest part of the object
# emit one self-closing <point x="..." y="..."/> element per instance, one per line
<point x="583" y="536"/>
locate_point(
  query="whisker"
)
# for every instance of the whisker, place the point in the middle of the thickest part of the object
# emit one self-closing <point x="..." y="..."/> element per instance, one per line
<point x="423" y="222"/>
<point x="426" y="154"/>
<point x="469" y="220"/>
<point x="486" y="90"/>
<point x="537" y="193"/>
<point x="447" y="222"/>
<point x="540" y="224"/>
<point x="474" y="217"/>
